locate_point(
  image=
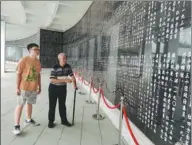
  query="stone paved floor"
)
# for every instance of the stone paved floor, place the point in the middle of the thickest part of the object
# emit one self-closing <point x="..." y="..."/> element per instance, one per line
<point x="86" y="131"/>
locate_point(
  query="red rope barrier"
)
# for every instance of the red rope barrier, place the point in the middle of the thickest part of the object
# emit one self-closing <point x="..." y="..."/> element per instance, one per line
<point x="75" y="74"/>
<point x="87" y="83"/>
<point x="129" y="127"/>
<point x="110" y="107"/>
<point x="80" y="78"/>
<point x="95" y="90"/>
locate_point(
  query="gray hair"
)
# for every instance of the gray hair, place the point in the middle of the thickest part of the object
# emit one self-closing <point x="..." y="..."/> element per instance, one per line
<point x="60" y="55"/>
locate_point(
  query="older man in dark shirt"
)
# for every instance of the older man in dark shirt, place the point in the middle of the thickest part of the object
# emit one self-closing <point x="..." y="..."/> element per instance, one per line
<point x="61" y="74"/>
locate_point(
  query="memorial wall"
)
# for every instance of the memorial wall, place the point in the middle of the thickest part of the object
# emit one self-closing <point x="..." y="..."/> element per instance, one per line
<point x="139" y="50"/>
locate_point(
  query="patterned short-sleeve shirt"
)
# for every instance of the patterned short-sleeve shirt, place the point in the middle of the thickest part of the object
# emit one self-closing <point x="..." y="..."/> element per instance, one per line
<point x="29" y="69"/>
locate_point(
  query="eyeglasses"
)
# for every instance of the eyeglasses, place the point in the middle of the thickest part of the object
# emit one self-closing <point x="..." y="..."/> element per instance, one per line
<point x="36" y="49"/>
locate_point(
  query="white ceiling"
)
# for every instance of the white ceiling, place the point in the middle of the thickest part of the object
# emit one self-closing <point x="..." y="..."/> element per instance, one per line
<point x="25" y="18"/>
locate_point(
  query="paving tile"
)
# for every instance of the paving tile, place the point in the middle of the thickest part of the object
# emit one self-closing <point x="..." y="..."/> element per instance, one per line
<point x="90" y="133"/>
<point x="86" y="130"/>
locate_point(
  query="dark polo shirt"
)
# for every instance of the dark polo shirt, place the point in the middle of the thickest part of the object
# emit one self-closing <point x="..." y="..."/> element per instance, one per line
<point x="59" y="71"/>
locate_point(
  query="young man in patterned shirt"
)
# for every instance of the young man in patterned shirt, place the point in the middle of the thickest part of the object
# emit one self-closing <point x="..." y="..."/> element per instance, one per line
<point x="28" y="85"/>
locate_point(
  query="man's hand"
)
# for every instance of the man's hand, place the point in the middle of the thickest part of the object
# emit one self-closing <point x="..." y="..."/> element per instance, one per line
<point x="76" y="88"/>
<point x="69" y="80"/>
<point x="39" y="91"/>
<point x="18" y="92"/>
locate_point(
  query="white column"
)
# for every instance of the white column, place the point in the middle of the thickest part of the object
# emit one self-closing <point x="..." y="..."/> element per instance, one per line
<point x="2" y="48"/>
<point x="25" y="52"/>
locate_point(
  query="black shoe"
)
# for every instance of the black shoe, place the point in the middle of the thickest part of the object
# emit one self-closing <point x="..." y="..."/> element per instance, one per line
<point x="17" y="130"/>
<point x="66" y="123"/>
<point x="51" y="125"/>
<point x="32" y="122"/>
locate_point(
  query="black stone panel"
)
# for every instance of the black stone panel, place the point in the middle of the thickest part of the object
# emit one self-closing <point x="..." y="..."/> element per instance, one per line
<point x="141" y="51"/>
<point x="51" y="44"/>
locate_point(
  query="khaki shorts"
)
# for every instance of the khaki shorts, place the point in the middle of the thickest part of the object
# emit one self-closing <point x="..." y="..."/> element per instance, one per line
<point x="27" y="96"/>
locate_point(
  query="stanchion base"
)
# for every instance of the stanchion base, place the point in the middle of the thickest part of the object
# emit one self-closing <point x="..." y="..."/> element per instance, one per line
<point x="90" y="102"/>
<point x="81" y="93"/>
<point x="122" y="143"/>
<point x="100" y="117"/>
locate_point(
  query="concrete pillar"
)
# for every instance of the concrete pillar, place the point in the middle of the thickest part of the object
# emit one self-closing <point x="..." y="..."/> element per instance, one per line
<point x="25" y="52"/>
<point x="2" y="48"/>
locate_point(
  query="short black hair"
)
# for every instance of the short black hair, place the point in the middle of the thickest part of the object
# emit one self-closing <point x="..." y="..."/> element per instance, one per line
<point x="31" y="45"/>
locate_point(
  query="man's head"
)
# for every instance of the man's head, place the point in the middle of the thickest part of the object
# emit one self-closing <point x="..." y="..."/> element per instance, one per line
<point x="33" y="49"/>
<point x="62" y="59"/>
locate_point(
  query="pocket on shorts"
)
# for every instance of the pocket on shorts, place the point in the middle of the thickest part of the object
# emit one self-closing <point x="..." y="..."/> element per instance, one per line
<point x="23" y="93"/>
<point x="32" y="98"/>
<point x="34" y="93"/>
<point x="21" y="100"/>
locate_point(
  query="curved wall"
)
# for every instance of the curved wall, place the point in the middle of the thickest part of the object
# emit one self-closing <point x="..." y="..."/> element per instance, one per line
<point x="14" y="50"/>
<point x="144" y="49"/>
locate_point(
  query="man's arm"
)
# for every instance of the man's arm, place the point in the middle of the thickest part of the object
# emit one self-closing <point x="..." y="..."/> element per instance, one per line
<point x="54" y="79"/>
<point x="18" y="80"/>
<point x="74" y="82"/>
<point x="19" y="70"/>
<point x="57" y="81"/>
<point x="39" y="78"/>
<point x="39" y="81"/>
<point x="72" y="76"/>
<point x="18" y="91"/>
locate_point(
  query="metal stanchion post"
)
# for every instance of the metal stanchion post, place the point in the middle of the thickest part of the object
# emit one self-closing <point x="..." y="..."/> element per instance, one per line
<point x="120" y="122"/>
<point x="98" y="116"/>
<point x="81" y="84"/>
<point x="90" y="101"/>
<point x="81" y="93"/>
